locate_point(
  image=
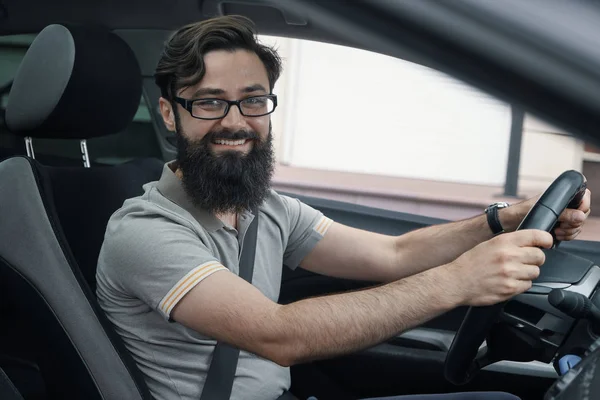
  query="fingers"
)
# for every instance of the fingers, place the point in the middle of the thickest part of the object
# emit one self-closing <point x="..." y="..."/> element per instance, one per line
<point x="527" y="272"/>
<point x="531" y="256"/>
<point x="523" y="264"/>
<point x="566" y="234"/>
<point x="567" y="225"/>
<point x="571" y="221"/>
<point x="523" y="286"/>
<point x="529" y="238"/>
<point x="513" y="287"/>
<point x="586" y="201"/>
<point x="579" y="215"/>
<point x="572" y="216"/>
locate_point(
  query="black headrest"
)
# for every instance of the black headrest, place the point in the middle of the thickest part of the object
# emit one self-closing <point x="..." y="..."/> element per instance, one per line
<point x="74" y="83"/>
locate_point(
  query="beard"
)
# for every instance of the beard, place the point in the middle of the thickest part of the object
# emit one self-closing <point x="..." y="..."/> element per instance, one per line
<point x="229" y="181"/>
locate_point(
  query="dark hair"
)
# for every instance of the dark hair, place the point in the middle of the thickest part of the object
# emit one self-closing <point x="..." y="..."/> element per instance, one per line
<point x="182" y="61"/>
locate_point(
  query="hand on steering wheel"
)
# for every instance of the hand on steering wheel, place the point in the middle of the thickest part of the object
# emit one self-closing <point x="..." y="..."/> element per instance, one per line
<point x="500" y="268"/>
<point x="513" y="255"/>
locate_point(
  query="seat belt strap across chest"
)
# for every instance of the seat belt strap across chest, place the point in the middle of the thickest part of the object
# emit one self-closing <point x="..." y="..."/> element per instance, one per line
<point x="219" y="380"/>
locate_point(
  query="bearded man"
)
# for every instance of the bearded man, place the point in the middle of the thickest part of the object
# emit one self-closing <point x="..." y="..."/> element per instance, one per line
<point x="168" y="272"/>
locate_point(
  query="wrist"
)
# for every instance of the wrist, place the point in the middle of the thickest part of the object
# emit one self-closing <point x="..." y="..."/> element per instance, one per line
<point x="448" y="278"/>
<point x="510" y="218"/>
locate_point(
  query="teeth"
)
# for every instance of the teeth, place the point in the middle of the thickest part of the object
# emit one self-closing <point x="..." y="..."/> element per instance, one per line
<point x="231" y="142"/>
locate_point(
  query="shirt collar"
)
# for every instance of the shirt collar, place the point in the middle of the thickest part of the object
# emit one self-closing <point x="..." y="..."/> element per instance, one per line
<point x="171" y="187"/>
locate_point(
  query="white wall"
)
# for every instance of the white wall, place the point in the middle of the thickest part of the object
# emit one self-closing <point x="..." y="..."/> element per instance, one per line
<point x="546" y="152"/>
<point x="352" y="110"/>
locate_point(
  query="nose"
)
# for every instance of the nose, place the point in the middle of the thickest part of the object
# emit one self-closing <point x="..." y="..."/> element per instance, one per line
<point x="234" y="120"/>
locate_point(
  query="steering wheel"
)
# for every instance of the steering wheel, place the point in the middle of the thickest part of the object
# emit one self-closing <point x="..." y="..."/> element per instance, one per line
<point x="462" y="361"/>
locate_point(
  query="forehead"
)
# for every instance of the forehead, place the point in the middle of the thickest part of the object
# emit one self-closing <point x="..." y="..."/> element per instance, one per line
<point x="232" y="71"/>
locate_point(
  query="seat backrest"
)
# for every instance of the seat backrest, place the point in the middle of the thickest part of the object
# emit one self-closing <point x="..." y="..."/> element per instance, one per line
<point x="76" y="349"/>
<point x="53" y="219"/>
<point x="85" y="198"/>
<point x="7" y="389"/>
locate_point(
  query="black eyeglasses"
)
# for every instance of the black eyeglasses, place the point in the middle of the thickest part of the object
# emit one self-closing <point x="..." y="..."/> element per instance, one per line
<point x="255" y="106"/>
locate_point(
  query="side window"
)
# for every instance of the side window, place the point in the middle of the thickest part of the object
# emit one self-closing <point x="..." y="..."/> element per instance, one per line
<point x="345" y="109"/>
<point x="365" y="128"/>
<point x="137" y="140"/>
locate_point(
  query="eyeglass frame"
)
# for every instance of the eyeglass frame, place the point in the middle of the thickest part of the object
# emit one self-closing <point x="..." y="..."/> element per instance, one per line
<point x="187" y="104"/>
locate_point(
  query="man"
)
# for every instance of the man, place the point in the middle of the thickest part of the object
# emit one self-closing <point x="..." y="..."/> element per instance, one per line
<point x="168" y="270"/>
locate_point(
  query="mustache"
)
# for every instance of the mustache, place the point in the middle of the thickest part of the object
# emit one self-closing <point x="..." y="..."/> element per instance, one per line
<point x="229" y="135"/>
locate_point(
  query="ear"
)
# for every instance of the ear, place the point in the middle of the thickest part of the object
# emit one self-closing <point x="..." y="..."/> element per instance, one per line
<point x="168" y="116"/>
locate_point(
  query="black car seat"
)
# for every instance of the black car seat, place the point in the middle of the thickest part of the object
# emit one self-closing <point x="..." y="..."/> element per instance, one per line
<point x="74" y="82"/>
<point x="7" y="389"/>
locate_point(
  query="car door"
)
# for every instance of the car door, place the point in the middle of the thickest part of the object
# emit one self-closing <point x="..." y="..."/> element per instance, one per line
<point x="412" y="362"/>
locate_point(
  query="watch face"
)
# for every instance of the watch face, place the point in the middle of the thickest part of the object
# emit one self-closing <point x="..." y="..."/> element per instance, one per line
<point x="498" y="205"/>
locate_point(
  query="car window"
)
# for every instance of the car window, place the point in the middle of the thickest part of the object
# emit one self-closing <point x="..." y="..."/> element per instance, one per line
<point x="137" y="140"/>
<point x="366" y="128"/>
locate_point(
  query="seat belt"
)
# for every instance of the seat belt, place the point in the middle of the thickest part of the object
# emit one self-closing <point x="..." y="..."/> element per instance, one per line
<point x="221" y="372"/>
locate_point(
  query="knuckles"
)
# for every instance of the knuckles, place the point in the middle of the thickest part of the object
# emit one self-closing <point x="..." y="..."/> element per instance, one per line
<point x="506" y="271"/>
<point x="509" y="288"/>
<point x="504" y="255"/>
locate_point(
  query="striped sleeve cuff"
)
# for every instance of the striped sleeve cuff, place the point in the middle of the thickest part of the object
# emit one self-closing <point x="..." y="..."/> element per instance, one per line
<point x="323" y="225"/>
<point x="187" y="283"/>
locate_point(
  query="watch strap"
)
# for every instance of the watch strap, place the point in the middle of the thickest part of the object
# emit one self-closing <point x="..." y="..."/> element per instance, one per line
<point x="493" y="219"/>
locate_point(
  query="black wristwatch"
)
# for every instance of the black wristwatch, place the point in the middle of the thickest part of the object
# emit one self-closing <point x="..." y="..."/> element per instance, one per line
<point x="492" y="217"/>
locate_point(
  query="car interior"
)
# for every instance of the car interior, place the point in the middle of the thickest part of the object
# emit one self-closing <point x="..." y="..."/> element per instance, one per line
<point x="89" y="63"/>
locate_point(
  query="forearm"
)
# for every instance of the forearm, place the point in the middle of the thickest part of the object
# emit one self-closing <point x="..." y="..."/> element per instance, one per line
<point x="334" y="325"/>
<point x="437" y="245"/>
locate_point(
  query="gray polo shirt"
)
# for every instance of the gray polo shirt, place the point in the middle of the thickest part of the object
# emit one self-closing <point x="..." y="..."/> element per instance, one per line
<point x="158" y="247"/>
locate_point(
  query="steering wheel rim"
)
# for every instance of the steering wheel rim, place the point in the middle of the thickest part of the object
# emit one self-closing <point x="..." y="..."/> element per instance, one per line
<point x="462" y="361"/>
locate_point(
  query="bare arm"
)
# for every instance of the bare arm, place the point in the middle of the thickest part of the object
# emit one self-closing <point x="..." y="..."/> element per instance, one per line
<point x="440" y="244"/>
<point x="350" y="253"/>
<point x="230" y="309"/>
<point x="227" y="308"/>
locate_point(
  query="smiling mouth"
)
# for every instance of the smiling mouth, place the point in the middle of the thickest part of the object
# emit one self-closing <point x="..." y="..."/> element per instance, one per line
<point x="231" y="143"/>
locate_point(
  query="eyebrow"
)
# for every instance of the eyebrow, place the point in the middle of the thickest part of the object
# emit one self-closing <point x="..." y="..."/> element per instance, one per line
<point x="254" y="88"/>
<point x="205" y="91"/>
<point x="217" y="92"/>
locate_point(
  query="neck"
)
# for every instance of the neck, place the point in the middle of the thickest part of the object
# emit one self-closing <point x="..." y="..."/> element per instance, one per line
<point x="228" y="219"/>
<point x="176" y="170"/>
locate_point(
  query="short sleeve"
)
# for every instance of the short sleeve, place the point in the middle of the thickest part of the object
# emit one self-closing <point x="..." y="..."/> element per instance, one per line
<point x="306" y="227"/>
<point x="157" y="259"/>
